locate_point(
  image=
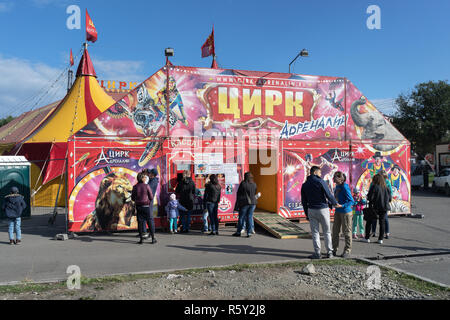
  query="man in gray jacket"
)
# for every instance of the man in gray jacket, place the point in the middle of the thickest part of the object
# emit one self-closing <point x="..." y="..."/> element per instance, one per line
<point x="316" y="199"/>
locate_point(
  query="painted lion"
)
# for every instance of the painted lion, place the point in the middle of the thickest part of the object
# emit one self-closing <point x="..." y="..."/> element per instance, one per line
<point x="114" y="209"/>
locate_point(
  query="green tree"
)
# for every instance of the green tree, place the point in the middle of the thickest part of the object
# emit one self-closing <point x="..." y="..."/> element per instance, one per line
<point x="423" y="116"/>
<point x="6" y="120"/>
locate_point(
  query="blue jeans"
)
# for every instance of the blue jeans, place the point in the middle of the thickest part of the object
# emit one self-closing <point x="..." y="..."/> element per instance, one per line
<point x="185" y="219"/>
<point x="246" y="215"/>
<point x="213" y="219"/>
<point x="206" y="227"/>
<point x="14" y="223"/>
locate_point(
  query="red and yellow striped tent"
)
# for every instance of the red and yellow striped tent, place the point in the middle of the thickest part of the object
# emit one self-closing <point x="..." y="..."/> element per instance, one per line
<point x="41" y="135"/>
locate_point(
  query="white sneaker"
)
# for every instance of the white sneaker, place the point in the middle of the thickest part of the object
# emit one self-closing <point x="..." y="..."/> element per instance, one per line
<point x="366" y="240"/>
<point x="380" y="241"/>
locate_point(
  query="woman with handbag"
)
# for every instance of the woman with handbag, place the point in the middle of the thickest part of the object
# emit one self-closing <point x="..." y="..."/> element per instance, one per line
<point x="379" y="197"/>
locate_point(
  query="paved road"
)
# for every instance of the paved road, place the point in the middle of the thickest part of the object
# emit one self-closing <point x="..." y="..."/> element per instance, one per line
<point x="40" y="258"/>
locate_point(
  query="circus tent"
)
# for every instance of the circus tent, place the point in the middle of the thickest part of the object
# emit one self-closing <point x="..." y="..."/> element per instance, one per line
<point x="41" y="135"/>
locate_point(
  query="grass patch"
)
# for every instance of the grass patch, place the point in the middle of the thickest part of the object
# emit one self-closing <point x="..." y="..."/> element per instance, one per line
<point x="417" y="284"/>
<point x="30" y="287"/>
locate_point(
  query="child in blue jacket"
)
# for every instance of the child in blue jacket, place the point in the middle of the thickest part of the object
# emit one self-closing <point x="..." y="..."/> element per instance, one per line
<point x="172" y="210"/>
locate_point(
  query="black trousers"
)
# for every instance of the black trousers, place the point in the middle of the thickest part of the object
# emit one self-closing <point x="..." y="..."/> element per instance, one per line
<point x="145" y="216"/>
<point x="381" y="216"/>
<point x="145" y="225"/>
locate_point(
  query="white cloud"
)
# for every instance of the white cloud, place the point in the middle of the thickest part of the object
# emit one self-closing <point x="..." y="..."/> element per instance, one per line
<point x="386" y="106"/>
<point x="6" y="6"/>
<point x="125" y="70"/>
<point x="25" y="85"/>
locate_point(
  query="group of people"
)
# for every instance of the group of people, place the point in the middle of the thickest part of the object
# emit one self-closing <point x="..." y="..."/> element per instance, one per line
<point x="180" y="205"/>
<point x="182" y="202"/>
<point x="318" y="199"/>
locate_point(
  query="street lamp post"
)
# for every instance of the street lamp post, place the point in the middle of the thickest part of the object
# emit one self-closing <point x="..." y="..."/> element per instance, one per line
<point x="303" y="53"/>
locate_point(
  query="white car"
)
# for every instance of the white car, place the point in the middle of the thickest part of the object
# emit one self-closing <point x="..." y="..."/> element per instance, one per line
<point x="442" y="182"/>
<point x="416" y="177"/>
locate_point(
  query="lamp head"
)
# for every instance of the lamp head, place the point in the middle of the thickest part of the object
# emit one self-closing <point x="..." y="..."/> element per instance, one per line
<point x="168" y="52"/>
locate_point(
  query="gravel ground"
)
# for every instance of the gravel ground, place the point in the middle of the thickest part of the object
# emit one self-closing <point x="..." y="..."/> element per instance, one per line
<point x="329" y="282"/>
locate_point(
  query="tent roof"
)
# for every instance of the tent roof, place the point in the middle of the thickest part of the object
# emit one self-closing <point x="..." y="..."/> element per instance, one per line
<point x="82" y="104"/>
<point x="23" y="125"/>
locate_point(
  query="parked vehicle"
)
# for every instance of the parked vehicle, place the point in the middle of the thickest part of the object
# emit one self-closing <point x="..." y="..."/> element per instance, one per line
<point x="442" y="181"/>
<point x="416" y="176"/>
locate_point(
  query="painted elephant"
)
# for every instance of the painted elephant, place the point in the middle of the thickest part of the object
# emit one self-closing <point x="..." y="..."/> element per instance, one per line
<point x="375" y="127"/>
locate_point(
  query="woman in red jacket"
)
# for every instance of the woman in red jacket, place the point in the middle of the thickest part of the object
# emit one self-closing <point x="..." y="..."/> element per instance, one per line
<point x="143" y="197"/>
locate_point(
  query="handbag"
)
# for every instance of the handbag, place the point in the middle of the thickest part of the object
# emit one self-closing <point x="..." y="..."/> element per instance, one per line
<point x="369" y="213"/>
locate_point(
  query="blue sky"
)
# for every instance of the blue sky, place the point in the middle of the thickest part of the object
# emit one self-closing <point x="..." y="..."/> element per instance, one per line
<point x="412" y="46"/>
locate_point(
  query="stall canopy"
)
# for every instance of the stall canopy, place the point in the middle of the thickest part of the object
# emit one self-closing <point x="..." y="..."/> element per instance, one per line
<point x="41" y="135"/>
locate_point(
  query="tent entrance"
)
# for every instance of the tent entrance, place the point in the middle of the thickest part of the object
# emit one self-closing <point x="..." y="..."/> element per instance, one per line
<point x="263" y="164"/>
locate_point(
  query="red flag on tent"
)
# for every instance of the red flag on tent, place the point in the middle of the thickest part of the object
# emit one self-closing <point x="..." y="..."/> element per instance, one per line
<point x="71" y="57"/>
<point x="208" y="46"/>
<point x="91" y="32"/>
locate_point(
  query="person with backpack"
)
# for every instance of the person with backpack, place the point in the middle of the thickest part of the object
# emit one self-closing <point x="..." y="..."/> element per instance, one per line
<point x="185" y="191"/>
<point x="13" y="206"/>
<point x="358" y="207"/>
<point x="379" y="198"/>
<point x="211" y="199"/>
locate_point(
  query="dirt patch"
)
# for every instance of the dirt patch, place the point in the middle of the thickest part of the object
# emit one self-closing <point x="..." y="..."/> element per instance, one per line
<point x="329" y="282"/>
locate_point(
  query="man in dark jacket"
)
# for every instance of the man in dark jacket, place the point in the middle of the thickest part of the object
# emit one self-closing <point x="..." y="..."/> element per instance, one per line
<point x="13" y="206"/>
<point x="185" y="191"/>
<point x="316" y="197"/>
<point x="211" y="199"/>
<point x="246" y="200"/>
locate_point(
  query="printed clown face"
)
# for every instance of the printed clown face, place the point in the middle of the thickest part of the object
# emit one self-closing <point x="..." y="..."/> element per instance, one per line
<point x="378" y="160"/>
